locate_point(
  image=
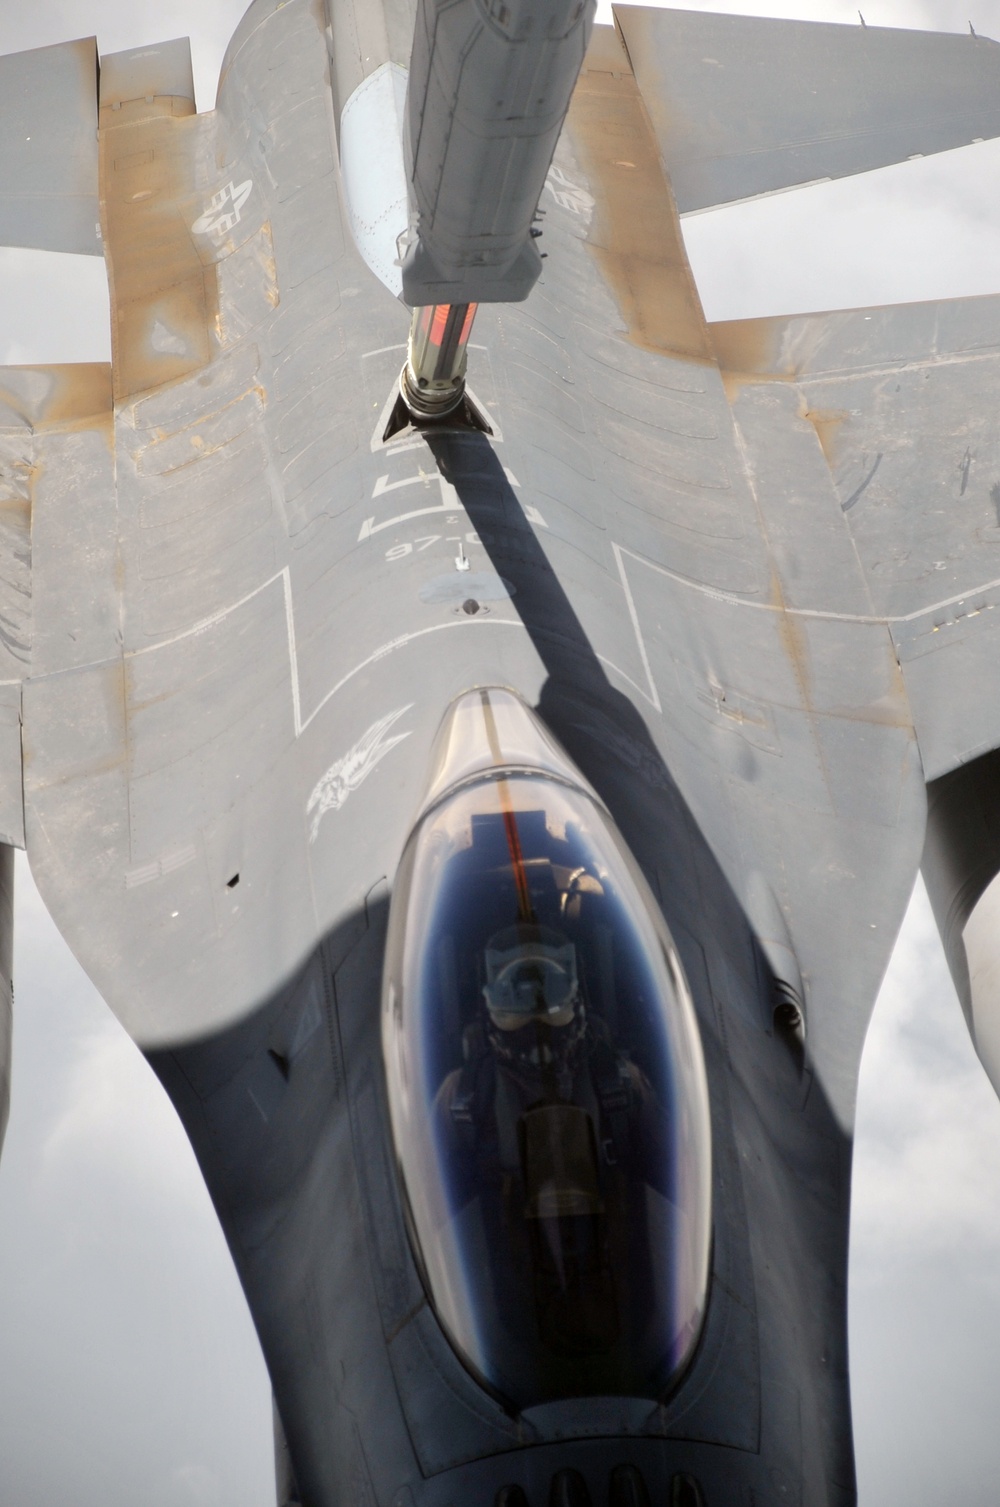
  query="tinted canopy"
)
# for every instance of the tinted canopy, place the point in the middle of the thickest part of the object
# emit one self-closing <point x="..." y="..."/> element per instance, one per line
<point x="546" y="1086"/>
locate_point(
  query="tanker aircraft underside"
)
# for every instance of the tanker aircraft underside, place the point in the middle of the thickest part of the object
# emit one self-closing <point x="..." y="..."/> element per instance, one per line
<point x="478" y="723"/>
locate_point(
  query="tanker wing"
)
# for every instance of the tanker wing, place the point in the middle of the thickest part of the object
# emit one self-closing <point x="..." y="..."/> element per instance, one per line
<point x="744" y="106"/>
<point x="48" y="149"/>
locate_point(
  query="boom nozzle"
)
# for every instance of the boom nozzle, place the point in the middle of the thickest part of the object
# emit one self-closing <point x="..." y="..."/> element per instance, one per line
<point x="433" y="380"/>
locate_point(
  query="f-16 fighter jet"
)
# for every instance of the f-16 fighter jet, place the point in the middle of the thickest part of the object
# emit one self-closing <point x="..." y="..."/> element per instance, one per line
<point x="478" y="724"/>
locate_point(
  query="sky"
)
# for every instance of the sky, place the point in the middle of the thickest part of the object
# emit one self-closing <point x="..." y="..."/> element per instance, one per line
<point x="129" y="1371"/>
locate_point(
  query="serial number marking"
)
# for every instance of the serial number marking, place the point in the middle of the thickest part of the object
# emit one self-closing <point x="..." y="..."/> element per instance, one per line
<point x="417" y="546"/>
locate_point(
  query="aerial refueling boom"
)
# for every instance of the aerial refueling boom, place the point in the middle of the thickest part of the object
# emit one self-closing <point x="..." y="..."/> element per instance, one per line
<point x="489" y="87"/>
<point x="490" y="83"/>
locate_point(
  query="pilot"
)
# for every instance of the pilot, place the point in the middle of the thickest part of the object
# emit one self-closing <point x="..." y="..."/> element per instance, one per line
<point x="552" y="1130"/>
<point x="535" y="1044"/>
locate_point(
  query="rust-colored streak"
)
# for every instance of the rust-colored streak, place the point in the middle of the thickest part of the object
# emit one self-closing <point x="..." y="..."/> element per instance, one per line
<point x="750" y="347"/>
<point x="826" y="423"/>
<point x="750" y="350"/>
<point x="795" y="643"/>
<point x="164" y="300"/>
<point x="81" y="397"/>
<point x="635" y="231"/>
<point x="68" y="397"/>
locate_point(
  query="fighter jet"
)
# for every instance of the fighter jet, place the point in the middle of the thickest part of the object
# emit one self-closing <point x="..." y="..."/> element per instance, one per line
<point x="478" y="724"/>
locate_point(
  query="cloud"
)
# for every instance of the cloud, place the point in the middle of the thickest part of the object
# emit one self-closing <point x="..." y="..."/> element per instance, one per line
<point x="53" y="307"/>
<point x="195" y="1485"/>
<point x="121" y="1313"/>
<point x="925" y="1242"/>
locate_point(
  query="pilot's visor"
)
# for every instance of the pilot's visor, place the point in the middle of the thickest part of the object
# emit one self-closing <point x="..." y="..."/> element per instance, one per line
<point x="530" y="975"/>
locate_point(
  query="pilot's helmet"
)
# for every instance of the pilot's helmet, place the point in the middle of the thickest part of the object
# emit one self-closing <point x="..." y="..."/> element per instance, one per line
<point x="531" y="981"/>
